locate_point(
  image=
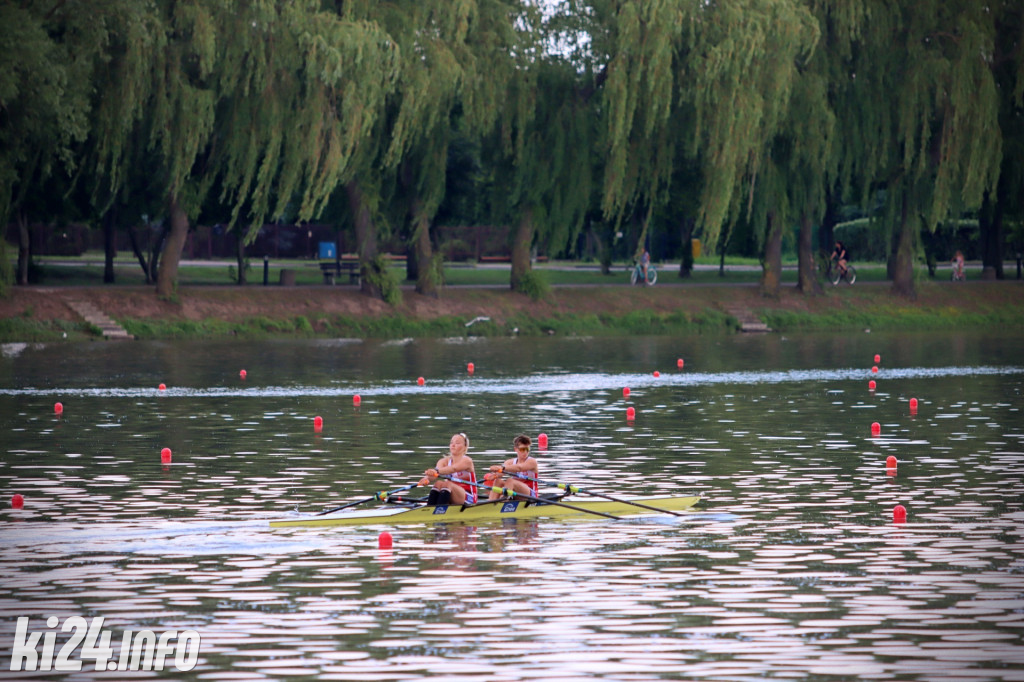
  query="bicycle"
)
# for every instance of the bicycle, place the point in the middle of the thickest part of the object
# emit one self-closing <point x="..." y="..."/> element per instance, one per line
<point x="958" y="274"/>
<point x="836" y="275"/>
<point x="637" y="275"/>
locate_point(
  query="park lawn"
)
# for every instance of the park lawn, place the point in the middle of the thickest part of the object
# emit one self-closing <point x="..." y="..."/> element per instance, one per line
<point x="87" y="270"/>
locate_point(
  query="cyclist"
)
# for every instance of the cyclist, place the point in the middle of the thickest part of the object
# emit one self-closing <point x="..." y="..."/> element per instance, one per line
<point x="645" y="260"/>
<point x="958" y="265"/>
<point x="841" y="256"/>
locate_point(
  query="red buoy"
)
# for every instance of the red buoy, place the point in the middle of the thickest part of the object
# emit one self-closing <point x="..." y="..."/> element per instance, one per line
<point x="679" y="363"/>
<point x="542" y="441"/>
<point x="625" y="393"/>
<point x="58" y="408"/>
<point x="874" y="370"/>
<point x="657" y="374"/>
<point x="243" y="374"/>
<point x="165" y="456"/>
<point x="878" y="358"/>
<point x="890" y="462"/>
<point x="420" y="381"/>
<point x="630" y="413"/>
<point x="899" y="514"/>
<point x="162" y="387"/>
<point x="913" y="406"/>
<point x="17" y="501"/>
<point x="872" y="385"/>
<point x="384" y="540"/>
<point x="318" y="423"/>
<point x="470" y="368"/>
<point x="876" y="429"/>
<point x="356" y="400"/>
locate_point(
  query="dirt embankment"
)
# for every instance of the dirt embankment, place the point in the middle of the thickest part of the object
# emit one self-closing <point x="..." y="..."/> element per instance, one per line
<point x="234" y="304"/>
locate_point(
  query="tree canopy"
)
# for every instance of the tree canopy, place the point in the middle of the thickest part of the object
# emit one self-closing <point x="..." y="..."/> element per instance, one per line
<point x="649" y="113"/>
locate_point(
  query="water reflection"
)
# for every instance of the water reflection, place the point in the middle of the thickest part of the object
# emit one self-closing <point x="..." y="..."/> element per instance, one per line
<point x="791" y="567"/>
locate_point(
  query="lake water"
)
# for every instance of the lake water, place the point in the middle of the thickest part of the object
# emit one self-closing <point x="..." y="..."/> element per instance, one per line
<point x="792" y="567"/>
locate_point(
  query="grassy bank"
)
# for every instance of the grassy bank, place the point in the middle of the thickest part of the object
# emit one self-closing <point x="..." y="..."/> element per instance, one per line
<point x="41" y="314"/>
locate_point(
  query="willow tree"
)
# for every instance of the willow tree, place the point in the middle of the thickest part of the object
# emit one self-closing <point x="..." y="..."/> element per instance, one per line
<point x="541" y="164"/>
<point x="724" y="70"/>
<point x="1006" y="201"/>
<point x="638" y="97"/>
<point x="790" y="189"/>
<point x="918" y="116"/>
<point x="455" y="61"/>
<point x="47" y="54"/>
<point x="271" y="99"/>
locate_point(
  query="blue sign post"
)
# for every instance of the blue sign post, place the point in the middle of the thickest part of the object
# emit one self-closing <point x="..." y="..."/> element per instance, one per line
<point x="327" y="250"/>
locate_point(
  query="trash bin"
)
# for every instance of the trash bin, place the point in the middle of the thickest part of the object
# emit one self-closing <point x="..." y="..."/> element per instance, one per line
<point x="327" y="250"/>
<point x="287" y="277"/>
<point x="695" y="247"/>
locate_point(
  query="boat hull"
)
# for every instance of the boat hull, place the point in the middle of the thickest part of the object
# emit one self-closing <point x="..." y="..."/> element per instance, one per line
<point x="502" y="509"/>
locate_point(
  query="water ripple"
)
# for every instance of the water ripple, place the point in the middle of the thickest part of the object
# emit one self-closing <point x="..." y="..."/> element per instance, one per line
<point x="541" y="383"/>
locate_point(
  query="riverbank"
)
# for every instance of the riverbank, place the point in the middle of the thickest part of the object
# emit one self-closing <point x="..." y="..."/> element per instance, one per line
<point x="43" y="314"/>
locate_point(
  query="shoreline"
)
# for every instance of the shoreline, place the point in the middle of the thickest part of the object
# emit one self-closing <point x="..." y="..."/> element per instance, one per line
<point x="42" y="313"/>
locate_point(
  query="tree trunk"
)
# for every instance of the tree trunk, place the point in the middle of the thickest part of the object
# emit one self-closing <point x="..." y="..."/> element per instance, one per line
<point x="990" y="221"/>
<point x="826" y="231"/>
<point x="894" y="237"/>
<point x="423" y="252"/>
<point x="771" y="273"/>
<point x="366" y="240"/>
<point x="412" y="264"/>
<point x="139" y="255"/>
<point x="807" y="267"/>
<point x="604" y="237"/>
<point x="167" y="273"/>
<point x="686" y="239"/>
<point x="240" y="259"/>
<point x="903" y="260"/>
<point x="24" y="248"/>
<point x="109" y="244"/>
<point x="521" y="243"/>
<point x="157" y="249"/>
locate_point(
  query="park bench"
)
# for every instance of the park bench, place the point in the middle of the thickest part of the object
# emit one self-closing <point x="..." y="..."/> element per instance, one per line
<point x="333" y="269"/>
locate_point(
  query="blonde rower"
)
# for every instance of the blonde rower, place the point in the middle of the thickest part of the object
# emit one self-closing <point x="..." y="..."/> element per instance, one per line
<point x="458" y="466"/>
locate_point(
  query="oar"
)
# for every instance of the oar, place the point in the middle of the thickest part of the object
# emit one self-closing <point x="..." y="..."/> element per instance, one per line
<point x="376" y="496"/>
<point x="512" y="493"/>
<point x="576" y="489"/>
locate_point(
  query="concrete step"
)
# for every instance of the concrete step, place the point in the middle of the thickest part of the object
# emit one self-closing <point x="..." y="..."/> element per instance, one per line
<point x="88" y="312"/>
<point x="748" y="321"/>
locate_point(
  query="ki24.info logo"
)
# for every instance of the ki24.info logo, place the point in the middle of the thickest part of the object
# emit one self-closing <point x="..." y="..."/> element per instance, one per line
<point x="142" y="650"/>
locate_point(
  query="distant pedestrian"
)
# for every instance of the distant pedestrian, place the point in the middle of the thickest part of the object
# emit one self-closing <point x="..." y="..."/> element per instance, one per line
<point x="958" y="266"/>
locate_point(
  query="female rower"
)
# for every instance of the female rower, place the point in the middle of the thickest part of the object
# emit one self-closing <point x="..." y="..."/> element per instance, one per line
<point x="457" y="466"/>
<point x="514" y="472"/>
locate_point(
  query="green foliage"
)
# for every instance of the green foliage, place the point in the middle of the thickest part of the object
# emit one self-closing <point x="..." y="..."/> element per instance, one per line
<point x="892" y="318"/>
<point x="47" y="52"/>
<point x="534" y="285"/>
<point x="26" y="329"/>
<point x="378" y="273"/>
<point x="569" y="113"/>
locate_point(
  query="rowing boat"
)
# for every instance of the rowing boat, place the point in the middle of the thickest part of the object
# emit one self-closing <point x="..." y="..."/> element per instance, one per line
<point x="487" y="511"/>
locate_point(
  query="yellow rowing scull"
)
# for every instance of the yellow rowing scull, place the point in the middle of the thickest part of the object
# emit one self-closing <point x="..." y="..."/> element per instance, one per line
<point x="489" y="511"/>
